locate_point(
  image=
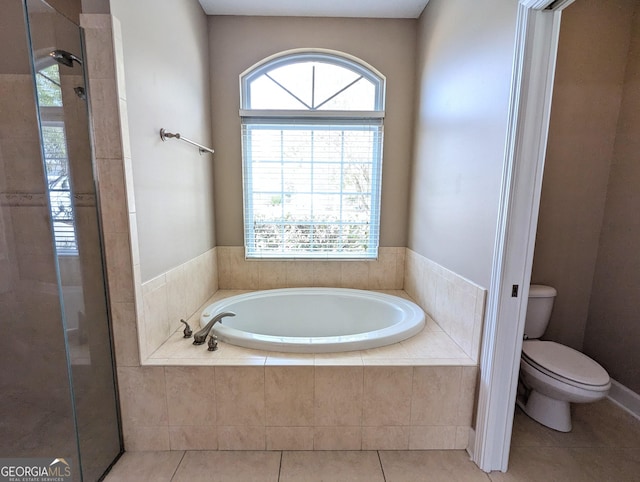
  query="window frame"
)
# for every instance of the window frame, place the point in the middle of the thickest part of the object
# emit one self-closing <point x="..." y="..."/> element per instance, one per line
<point x="310" y="118"/>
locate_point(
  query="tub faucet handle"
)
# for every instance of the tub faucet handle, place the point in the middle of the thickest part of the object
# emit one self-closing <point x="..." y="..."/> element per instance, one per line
<point x="187" y="329"/>
<point x="212" y="343"/>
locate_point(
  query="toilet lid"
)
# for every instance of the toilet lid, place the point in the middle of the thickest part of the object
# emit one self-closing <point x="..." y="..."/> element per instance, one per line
<point x="565" y="362"/>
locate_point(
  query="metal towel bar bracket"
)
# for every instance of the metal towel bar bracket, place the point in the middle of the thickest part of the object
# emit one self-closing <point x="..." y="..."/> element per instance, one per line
<point x="164" y="135"/>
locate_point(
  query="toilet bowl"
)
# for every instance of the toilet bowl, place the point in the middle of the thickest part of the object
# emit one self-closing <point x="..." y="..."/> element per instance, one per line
<point x="553" y="375"/>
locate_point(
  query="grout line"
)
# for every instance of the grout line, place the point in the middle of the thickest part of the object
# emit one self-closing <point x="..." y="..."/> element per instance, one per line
<point x="166" y="402"/>
<point x="314" y="416"/>
<point x="384" y="477"/>
<point x="264" y="404"/>
<point x="361" y="424"/>
<point x="184" y="452"/>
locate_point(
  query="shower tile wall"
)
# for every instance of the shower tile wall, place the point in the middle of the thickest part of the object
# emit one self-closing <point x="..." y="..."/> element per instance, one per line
<point x="113" y="162"/>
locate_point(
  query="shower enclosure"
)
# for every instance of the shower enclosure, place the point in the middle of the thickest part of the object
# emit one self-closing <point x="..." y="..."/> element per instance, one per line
<point x="58" y="399"/>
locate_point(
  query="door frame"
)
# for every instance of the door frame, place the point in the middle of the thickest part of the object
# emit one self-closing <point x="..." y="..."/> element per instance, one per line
<point x="536" y="46"/>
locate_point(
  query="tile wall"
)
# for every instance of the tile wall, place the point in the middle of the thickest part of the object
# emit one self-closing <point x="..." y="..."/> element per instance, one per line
<point x="181" y="291"/>
<point x="385" y="273"/>
<point x="175" y="295"/>
<point x="456" y="303"/>
<point x="115" y="184"/>
<point x="296" y="407"/>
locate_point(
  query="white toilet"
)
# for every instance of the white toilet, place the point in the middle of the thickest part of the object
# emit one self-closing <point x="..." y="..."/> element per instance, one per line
<point x="553" y="375"/>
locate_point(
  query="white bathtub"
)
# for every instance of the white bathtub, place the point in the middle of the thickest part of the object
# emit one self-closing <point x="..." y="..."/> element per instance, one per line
<point x="315" y="320"/>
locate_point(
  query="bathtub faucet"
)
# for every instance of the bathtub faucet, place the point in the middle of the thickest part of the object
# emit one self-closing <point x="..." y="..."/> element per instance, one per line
<point x="200" y="337"/>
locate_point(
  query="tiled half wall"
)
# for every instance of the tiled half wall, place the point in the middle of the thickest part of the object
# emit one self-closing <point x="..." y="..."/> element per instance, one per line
<point x="454" y="302"/>
<point x="181" y="291"/>
<point x="296" y="407"/>
<point x="237" y="273"/>
<point x="175" y="295"/>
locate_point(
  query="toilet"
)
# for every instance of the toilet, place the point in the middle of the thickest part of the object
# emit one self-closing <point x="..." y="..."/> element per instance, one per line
<point x="553" y="375"/>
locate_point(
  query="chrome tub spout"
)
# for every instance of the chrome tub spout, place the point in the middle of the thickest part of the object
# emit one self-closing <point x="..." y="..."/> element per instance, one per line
<point x="200" y="337"/>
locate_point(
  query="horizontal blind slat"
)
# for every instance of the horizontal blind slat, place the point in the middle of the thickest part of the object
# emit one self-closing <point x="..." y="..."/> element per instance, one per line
<point x="312" y="191"/>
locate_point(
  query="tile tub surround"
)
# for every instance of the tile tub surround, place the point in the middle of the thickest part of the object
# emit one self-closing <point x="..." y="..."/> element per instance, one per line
<point x="456" y="303"/>
<point x="162" y="404"/>
<point x="296" y="407"/>
<point x="417" y="394"/>
<point x="139" y="324"/>
<point x="177" y="294"/>
<point x="238" y="273"/>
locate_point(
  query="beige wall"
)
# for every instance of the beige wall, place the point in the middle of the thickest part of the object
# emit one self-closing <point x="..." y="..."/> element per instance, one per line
<point x="465" y="56"/>
<point x="592" y="54"/>
<point x="613" y="333"/>
<point x="167" y="81"/>
<point x="69" y="8"/>
<point x="237" y="43"/>
<point x="95" y="6"/>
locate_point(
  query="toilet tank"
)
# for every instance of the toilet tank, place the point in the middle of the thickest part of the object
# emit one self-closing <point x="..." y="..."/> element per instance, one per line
<point x="539" y="310"/>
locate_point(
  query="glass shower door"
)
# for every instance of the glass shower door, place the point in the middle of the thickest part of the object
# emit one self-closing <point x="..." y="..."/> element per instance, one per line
<point x="57" y="381"/>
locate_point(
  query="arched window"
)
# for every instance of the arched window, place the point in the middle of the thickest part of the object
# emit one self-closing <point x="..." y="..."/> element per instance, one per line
<point x="312" y="128"/>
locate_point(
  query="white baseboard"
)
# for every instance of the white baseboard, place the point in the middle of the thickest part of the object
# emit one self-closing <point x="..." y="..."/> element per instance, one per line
<point x="625" y="398"/>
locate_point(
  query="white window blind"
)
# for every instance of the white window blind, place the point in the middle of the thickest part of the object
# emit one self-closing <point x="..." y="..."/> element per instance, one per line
<point x="312" y="176"/>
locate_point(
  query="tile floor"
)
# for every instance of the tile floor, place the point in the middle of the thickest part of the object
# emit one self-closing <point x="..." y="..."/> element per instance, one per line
<point x="603" y="446"/>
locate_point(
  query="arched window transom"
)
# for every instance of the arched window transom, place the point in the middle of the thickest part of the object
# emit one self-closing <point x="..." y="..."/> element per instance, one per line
<point x="313" y="81"/>
<point x="312" y="127"/>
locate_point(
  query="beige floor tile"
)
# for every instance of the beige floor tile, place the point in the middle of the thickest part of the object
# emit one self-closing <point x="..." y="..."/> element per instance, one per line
<point x="609" y="463"/>
<point x="143" y="466"/>
<point x="529" y="433"/>
<point x="432" y="465"/>
<point x="581" y="435"/>
<point x="330" y="466"/>
<point x="600" y="424"/>
<point x="536" y="464"/>
<point x="213" y="466"/>
<point x="612" y="426"/>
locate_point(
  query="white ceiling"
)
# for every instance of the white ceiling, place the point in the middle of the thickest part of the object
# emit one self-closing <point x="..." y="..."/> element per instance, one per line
<point x="317" y="8"/>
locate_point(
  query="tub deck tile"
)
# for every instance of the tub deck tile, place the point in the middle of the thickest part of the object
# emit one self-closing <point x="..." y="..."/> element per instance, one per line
<point x="430" y="347"/>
